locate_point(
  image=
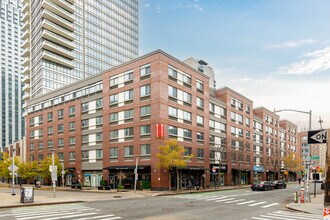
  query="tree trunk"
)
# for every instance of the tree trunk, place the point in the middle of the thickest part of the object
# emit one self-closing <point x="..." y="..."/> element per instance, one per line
<point x="169" y="181"/>
<point x="239" y="177"/>
<point x="177" y="179"/>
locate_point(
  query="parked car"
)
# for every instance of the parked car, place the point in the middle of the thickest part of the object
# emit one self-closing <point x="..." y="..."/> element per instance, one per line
<point x="263" y="185"/>
<point x="279" y="184"/>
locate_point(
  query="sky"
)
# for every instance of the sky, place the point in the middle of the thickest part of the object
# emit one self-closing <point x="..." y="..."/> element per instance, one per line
<point x="275" y="52"/>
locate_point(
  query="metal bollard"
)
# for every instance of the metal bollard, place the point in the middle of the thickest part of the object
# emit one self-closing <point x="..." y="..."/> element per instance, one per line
<point x="295" y="197"/>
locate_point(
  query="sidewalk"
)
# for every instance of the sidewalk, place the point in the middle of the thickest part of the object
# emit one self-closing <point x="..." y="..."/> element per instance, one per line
<point x="44" y="195"/>
<point x="313" y="207"/>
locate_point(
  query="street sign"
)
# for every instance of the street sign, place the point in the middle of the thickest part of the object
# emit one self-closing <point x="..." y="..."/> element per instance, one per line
<point x="11" y="167"/>
<point x="315" y="157"/>
<point x="317" y="137"/>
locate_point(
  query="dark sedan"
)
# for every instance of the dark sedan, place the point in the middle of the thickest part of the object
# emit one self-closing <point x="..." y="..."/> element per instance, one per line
<point x="264" y="185"/>
<point x="279" y="184"/>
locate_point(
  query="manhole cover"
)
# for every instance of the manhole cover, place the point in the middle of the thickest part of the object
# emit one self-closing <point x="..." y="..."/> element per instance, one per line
<point x="116" y="196"/>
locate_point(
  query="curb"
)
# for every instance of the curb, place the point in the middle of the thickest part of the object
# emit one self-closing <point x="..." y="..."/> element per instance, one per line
<point x="193" y="192"/>
<point x="297" y="210"/>
<point x="37" y="204"/>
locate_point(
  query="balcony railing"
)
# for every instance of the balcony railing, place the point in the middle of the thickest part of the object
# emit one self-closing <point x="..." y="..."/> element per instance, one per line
<point x="26" y="71"/>
<point x="57" y="10"/>
<point x="58" y="49"/>
<point x="57" y="59"/>
<point x="57" y="20"/>
<point x="26" y="34"/>
<point x="57" y="29"/>
<point x="57" y="39"/>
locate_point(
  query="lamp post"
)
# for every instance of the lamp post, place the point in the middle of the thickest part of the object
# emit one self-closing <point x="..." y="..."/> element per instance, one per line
<point x="136" y="171"/>
<point x="53" y="170"/>
<point x="309" y="146"/>
<point x="12" y="170"/>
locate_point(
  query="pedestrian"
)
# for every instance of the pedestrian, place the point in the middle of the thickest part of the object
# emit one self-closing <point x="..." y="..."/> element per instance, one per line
<point x="196" y="185"/>
<point x="299" y="180"/>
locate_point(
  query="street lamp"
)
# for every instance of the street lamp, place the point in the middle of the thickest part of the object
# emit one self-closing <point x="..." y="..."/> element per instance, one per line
<point x="12" y="170"/>
<point x="309" y="147"/>
<point x="136" y="171"/>
<point x="53" y="170"/>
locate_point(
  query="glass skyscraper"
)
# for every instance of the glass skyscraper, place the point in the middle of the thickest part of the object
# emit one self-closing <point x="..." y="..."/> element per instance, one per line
<point x="11" y="122"/>
<point x="68" y="40"/>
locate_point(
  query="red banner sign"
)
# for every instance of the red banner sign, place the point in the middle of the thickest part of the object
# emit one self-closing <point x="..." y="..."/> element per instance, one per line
<point x="159" y="131"/>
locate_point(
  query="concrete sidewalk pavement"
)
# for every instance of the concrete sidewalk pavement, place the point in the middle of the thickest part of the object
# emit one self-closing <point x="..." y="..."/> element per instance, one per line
<point x="313" y="207"/>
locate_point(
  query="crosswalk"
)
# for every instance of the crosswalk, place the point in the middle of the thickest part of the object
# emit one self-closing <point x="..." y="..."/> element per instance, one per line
<point x="287" y="215"/>
<point x="232" y="199"/>
<point x="54" y="212"/>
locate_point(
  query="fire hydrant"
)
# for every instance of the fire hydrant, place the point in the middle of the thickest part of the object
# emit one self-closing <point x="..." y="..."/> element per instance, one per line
<point x="302" y="195"/>
<point x="295" y="197"/>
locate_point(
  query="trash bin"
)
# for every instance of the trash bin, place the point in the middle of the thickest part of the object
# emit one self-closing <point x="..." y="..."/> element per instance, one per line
<point x="27" y="195"/>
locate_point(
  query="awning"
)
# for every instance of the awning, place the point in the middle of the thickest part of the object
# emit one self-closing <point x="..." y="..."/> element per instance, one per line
<point x="140" y="167"/>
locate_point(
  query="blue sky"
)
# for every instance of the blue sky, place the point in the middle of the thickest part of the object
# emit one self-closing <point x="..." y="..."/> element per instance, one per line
<point x="275" y="52"/>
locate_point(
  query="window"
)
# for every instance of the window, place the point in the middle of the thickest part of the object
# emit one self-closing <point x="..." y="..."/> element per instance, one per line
<point x="145" y="90"/>
<point x="173" y="111"/>
<point x="187" y="133"/>
<point x="72" y="155"/>
<point x="40" y="145"/>
<point x="72" y="140"/>
<point x="128" y="113"/>
<point x="31" y="121"/>
<point x="128" y="151"/>
<point x="40" y="157"/>
<point x="60" y="128"/>
<point x="31" y="146"/>
<point x="31" y="134"/>
<point x="247" y="122"/>
<point x="172" y="130"/>
<point x="200" y="136"/>
<point x="128" y="132"/>
<point x="50" y="144"/>
<point x="99" y="154"/>
<point x="186" y="116"/>
<point x="113" y="134"/>
<point x="173" y="73"/>
<point x="84" y="123"/>
<point x="200" y="102"/>
<point x="200" y="120"/>
<point x="114" y="152"/>
<point x="50" y="116"/>
<point x="99" y="137"/>
<point x="186" y="79"/>
<point x="60" y="142"/>
<point x="145" y="130"/>
<point x="84" y="107"/>
<point x="114" y="117"/>
<point x="128" y="76"/>
<point x="145" y="149"/>
<point x="72" y="110"/>
<point x="173" y="92"/>
<point x="145" y="110"/>
<point x="186" y="97"/>
<point x="72" y="126"/>
<point x="200" y="85"/>
<point x="85" y="154"/>
<point x="187" y="151"/>
<point x="50" y="130"/>
<point x="113" y="98"/>
<point x="128" y="95"/>
<point x="99" y="103"/>
<point x="247" y="109"/>
<point x="60" y="114"/>
<point x="212" y="107"/>
<point x="145" y="71"/>
<point x="200" y="153"/>
<point x="60" y="156"/>
<point x="85" y="138"/>
<point x="99" y="120"/>
<point x="114" y="81"/>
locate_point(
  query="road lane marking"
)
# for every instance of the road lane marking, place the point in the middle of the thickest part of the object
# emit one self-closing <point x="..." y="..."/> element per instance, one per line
<point x="242" y="203"/>
<point x="217" y="198"/>
<point x="43" y="215"/>
<point x="72" y="216"/>
<point x="238" y="200"/>
<point x="295" y="217"/>
<point x="222" y="200"/>
<point x="95" y="217"/>
<point x="270" y="205"/>
<point x="258" y="203"/>
<point x="299" y="214"/>
<point x="111" y="218"/>
<point x="260" y="218"/>
<point x="274" y="217"/>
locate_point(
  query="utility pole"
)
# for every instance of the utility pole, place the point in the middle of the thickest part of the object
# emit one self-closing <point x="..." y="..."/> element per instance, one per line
<point x="12" y="170"/>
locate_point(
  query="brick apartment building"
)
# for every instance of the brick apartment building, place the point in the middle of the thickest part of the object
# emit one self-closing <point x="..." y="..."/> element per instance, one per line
<point x="100" y="125"/>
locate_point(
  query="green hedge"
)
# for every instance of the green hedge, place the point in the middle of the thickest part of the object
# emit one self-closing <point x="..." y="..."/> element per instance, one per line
<point x="145" y="184"/>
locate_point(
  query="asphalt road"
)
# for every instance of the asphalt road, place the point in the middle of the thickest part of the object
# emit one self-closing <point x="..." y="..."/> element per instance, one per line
<point x="242" y="204"/>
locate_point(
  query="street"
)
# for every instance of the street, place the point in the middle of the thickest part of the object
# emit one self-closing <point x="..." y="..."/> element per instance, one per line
<point x="241" y="204"/>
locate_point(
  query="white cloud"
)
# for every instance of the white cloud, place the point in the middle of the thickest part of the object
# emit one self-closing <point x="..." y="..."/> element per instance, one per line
<point x="158" y="9"/>
<point x="147" y="5"/>
<point x="193" y="5"/>
<point x="292" y="44"/>
<point x="314" y="62"/>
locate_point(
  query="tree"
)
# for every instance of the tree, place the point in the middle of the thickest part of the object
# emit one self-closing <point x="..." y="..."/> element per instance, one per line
<point x="121" y="176"/>
<point x="171" y="155"/>
<point x="5" y="163"/>
<point x="293" y="163"/>
<point x="43" y="168"/>
<point x="28" y="170"/>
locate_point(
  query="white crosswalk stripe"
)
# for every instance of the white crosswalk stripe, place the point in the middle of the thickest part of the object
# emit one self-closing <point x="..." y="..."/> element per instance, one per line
<point x="287" y="215"/>
<point x="54" y="212"/>
<point x="258" y="203"/>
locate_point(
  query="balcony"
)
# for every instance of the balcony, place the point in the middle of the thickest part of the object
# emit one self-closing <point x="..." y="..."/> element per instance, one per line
<point x="57" y="29"/>
<point x="26" y="43"/>
<point x="26" y="17"/>
<point x="57" y="20"/>
<point x="24" y="106"/>
<point x="66" y="5"/>
<point x="57" y="10"/>
<point x="26" y="25"/>
<point x="26" y="96"/>
<point x="26" y="71"/>
<point x="26" y="79"/>
<point x="26" y="8"/>
<point x="71" y="1"/>
<point x="57" y="39"/>
<point x="26" y="52"/>
<point x="26" y="88"/>
<point x="57" y="59"/>
<point x="26" y="34"/>
<point x="26" y="61"/>
<point x="57" y="49"/>
<point x="25" y="2"/>
<point x="24" y="112"/>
